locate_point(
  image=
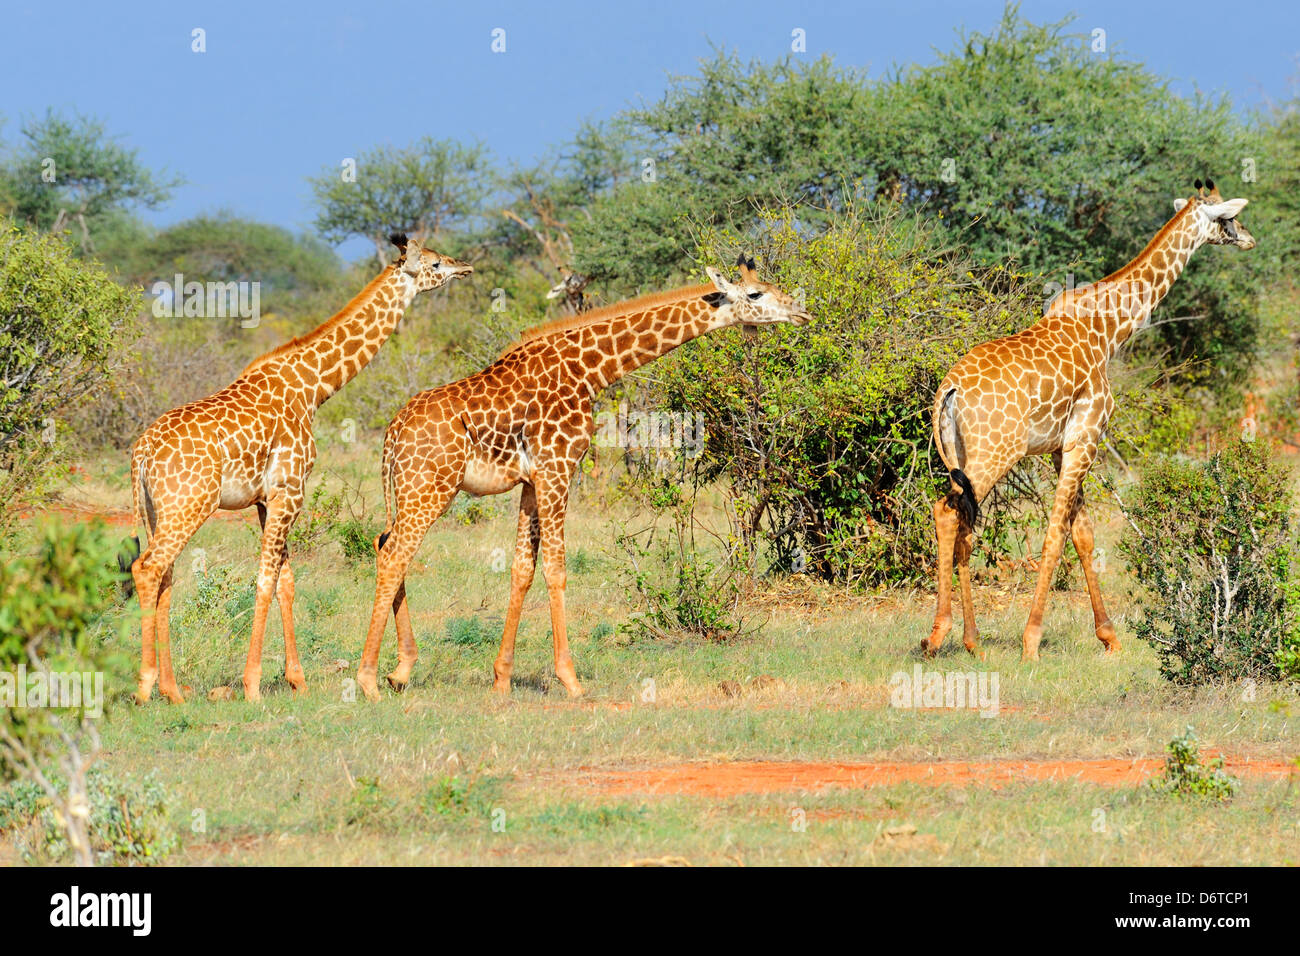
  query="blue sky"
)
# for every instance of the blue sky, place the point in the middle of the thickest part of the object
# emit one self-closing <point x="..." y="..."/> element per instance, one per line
<point x="286" y="89"/>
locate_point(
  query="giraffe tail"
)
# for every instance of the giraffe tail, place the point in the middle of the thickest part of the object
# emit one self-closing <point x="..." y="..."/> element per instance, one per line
<point x="962" y="498"/>
<point x="948" y="439"/>
<point x="386" y="481"/>
<point x="131" y="548"/>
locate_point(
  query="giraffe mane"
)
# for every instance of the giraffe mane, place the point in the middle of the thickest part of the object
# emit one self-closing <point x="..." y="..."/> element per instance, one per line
<point x="610" y="311"/>
<point x="1158" y="238"/>
<point x="358" y="302"/>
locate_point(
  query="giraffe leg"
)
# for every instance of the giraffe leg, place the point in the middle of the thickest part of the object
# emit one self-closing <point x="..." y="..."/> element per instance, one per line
<point x="969" y="630"/>
<point x="1075" y="464"/>
<point x="401" y="542"/>
<point x="407" y="652"/>
<point x="167" y="540"/>
<point x="527" y="540"/>
<point x="166" y="678"/>
<point x="147" y="581"/>
<point x="281" y="510"/>
<point x="1082" y="535"/>
<point x="946" y="527"/>
<point x="293" y="672"/>
<point x="284" y="591"/>
<point x="552" y="501"/>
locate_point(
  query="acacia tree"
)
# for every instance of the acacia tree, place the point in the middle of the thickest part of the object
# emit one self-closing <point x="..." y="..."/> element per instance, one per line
<point x="69" y="172"/>
<point x="429" y="188"/>
<point x="543" y="201"/>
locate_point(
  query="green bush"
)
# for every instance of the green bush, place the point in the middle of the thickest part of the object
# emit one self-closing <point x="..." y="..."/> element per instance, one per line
<point x="128" y="823"/>
<point x="1185" y="775"/>
<point x="473" y="631"/>
<point x="319" y="517"/>
<point x="822" y="433"/>
<point x="53" y="630"/>
<point x="357" y="539"/>
<point x="682" y="591"/>
<point x="53" y="607"/>
<point x="1210" y="543"/>
<point x="63" y="323"/>
<point x="1022" y="143"/>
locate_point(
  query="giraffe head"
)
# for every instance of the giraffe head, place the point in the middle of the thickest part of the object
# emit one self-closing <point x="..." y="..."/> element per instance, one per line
<point x="429" y="269"/>
<point x="571" y="284"/>
<point x="752" y="302"/>
<point x="1216" y="217"/>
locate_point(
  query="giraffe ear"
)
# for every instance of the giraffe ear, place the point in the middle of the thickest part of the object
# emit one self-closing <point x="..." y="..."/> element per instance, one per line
<point x="411" y="257"/>
<point x="1179" y="204"/>
<point x="1228" y="209"/>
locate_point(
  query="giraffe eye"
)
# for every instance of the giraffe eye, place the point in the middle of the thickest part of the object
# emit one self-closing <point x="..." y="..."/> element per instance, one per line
<point x="755" y="295"/>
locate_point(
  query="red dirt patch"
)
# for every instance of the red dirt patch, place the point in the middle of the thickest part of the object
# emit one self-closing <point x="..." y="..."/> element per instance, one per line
<point x="732" y="778"/>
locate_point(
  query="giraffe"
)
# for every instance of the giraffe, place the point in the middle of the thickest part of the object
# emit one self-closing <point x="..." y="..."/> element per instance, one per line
<point x="1045" y="391"/>
<point x="527" y="420"/>
<point x="251" y="444"/>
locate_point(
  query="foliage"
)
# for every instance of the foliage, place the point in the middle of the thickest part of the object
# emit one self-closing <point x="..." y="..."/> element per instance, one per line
<point x="1211" y="545"/>
<point x="473" y="631"/>
<point x="357" y="538"/>
<point x="128" y="822"/>
<point x="1027" y="145"/>
<point x="318" y="521"/>
<point x="1185" y="775"/>
<point x="544" y="201"/>
<point x="70" y="172"/>
<point x="1274" y="212"/>
<point x="62" y="324"/>
<point x="822" y="432"/>
<point x="52" y="604"/>
<point x="430" y="187"/>
<point x="228" y="248"/>
<point x="733" y="136"/>
<point x="681" y="590"/>
<point x="368" y="805"/>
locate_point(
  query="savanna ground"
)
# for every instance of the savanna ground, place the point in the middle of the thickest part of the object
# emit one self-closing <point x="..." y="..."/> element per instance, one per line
<point x="776" y="747"/>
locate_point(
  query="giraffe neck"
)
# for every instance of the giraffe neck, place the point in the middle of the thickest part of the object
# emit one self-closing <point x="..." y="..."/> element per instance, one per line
<point x="624" y="343"/>
<point x="326" y="359"/>
<point x="1120" y="304"/>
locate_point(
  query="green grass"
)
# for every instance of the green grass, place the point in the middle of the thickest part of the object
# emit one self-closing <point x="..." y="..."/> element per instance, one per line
<point x="450" y="773"/>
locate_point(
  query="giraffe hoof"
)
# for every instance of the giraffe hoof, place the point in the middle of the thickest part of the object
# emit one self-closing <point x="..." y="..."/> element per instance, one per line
<point x="298" y="687"/>
<point x="173" y="696"/>
<point x="252" y="693"/>
<point x="141" y="698"/>
<point x="371" y="690"/>
<point x="928" y="650"/>
<point x="397" y="683"/>
<point x="501" y="687"/>
<point x="1106" y="634"/>
<point x="575" y="690"/>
